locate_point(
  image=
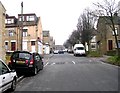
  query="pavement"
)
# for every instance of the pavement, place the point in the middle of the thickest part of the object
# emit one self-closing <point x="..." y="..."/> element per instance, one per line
<point x="46" y="57"/>
<point x="104" y="58"/>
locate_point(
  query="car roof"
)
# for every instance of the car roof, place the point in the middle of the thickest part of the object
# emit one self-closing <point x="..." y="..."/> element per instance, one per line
<point x="32" y="53"/>
<point x="21" y="52"/>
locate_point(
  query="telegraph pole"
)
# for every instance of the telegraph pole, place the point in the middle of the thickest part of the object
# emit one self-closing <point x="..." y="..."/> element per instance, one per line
<point x="21" y="39"/>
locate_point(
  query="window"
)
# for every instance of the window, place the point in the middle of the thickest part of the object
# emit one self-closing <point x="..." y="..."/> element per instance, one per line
<point x="32" y="43"/>
<point x="9" y="21"/>
<point x="119" y="43"/>
<point x="24" y="32"/>
<point x="20" y="18"/>
<point x="3" y="68"/>
<point x="80" y="48"/>
<point x="6" y="45"/>
<point x="0" y="68"/>
<point x="11" y="33"/>
<point x="24" y="55"/>
<point x="116" y="31"/>
<point x="37" y="57"/>
<point x="93" y="46"/>
<point x="30" y="18"/>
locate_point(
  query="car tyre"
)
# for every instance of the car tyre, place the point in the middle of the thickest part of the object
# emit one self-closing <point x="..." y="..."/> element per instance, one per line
<point x="41" y="67"/>
<point x="13" y="86"/>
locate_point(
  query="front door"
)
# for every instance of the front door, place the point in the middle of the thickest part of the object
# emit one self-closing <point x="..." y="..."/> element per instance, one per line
<point x="110" y="45"/>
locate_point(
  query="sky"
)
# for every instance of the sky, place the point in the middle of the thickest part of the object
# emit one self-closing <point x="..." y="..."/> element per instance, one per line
<point x="60" y="17"/>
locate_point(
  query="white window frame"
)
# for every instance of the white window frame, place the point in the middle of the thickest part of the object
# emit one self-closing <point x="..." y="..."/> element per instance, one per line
<point x="11" y="33"/>
<point x="119" y="43"/>
<point x="25" y="34"/>
<point x="116" y="31"/>
<point x="30" y="18"/>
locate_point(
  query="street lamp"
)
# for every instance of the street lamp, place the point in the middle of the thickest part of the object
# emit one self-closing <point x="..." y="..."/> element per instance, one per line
<point x="21" y="24"/>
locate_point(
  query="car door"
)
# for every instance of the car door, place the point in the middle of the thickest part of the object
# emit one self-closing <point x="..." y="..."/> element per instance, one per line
<point x="5" y="77"/>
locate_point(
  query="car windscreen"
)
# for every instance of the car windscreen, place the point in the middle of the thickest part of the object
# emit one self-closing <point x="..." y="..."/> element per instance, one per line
<point x="80" y="48"/>
<point x="21" y="56"/>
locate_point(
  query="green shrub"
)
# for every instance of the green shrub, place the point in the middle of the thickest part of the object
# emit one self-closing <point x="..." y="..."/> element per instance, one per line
<point x="94" y="54"/>
<point x="114" y="60"/>
<point x="111" y="53"/>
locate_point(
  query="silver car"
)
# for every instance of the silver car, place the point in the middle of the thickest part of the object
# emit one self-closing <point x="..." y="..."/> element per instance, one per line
<point x="8" y="77"/>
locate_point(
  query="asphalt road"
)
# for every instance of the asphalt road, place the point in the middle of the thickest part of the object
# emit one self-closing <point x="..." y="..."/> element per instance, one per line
<point x="64" y="72"/>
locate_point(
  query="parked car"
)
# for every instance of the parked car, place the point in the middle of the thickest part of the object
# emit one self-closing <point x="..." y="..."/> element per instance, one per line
<point x="8" y="78"/>
<point x="25" y="62"/>
<point x="79" y="49"/>
<point x="55" y="51"/>
<point x="70" y="51"/>
<point x="61" y="52"/>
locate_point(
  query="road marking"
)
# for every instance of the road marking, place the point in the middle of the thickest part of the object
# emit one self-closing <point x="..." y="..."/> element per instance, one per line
<point x="46" y="64"/>
<point x="53" y="64"/>
<point x="103" y="63"/>
<point x="73" y="62"/>
<point x="110" y="64"/>
<point x="90" y="60"/>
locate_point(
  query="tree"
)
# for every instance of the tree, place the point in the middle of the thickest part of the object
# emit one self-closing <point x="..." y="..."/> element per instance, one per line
<point x="73" y="39"/>
<point x="86" y="27"/>
<point x="109" y="9"/>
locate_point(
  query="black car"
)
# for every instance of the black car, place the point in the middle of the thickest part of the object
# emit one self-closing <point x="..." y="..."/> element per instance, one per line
<point x="61" y="52"/>
<point x="24" y="61"/>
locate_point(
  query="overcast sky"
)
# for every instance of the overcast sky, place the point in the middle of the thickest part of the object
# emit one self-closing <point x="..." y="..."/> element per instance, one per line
<point x="60" y="17"/>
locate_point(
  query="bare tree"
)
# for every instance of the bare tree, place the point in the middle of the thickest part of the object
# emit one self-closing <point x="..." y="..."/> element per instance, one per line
<point x="86" y="27"/>
<point x="73" y="39"/>
<point x="109" y="9"/>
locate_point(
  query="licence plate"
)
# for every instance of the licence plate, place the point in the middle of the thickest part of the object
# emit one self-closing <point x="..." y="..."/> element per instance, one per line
<point x="21" y="62"/>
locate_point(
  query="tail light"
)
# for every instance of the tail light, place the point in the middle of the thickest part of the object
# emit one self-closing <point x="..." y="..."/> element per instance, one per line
<point x="26" y="61"/>
<point x="31" y="61"/>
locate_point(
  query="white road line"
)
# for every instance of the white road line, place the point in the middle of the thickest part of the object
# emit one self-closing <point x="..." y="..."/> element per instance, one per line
<point x="46" y="64"/>
<point x="103" y="63"/>
<point x="110" y="64"/>
<point x="53" y="64"/>
<point x="73" y="62"/>
<point x="90" y="60"/>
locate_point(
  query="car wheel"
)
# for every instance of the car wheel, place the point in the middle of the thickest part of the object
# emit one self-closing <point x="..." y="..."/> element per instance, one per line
<point x="41" y="67"/>
<point x="13" y="86"/>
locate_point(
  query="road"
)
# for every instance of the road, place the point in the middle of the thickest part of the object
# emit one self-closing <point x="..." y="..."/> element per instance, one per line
<point x="64" y="72"/>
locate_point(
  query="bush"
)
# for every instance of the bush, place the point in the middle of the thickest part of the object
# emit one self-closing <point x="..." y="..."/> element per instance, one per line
<point x="114" y="60"/>
<point x="94" y="54"/>
<point x="111" y="53"/>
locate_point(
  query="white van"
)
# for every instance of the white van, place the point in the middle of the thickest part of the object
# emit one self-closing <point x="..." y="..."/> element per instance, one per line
<point x="79" y="49"/>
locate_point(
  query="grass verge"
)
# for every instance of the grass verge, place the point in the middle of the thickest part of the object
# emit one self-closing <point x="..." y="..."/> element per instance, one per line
<point x="115" y="60"/>
<point x="94" y="54"/>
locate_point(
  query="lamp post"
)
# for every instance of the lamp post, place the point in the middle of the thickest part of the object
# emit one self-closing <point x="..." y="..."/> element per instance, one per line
<point x="21" y="39"/>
